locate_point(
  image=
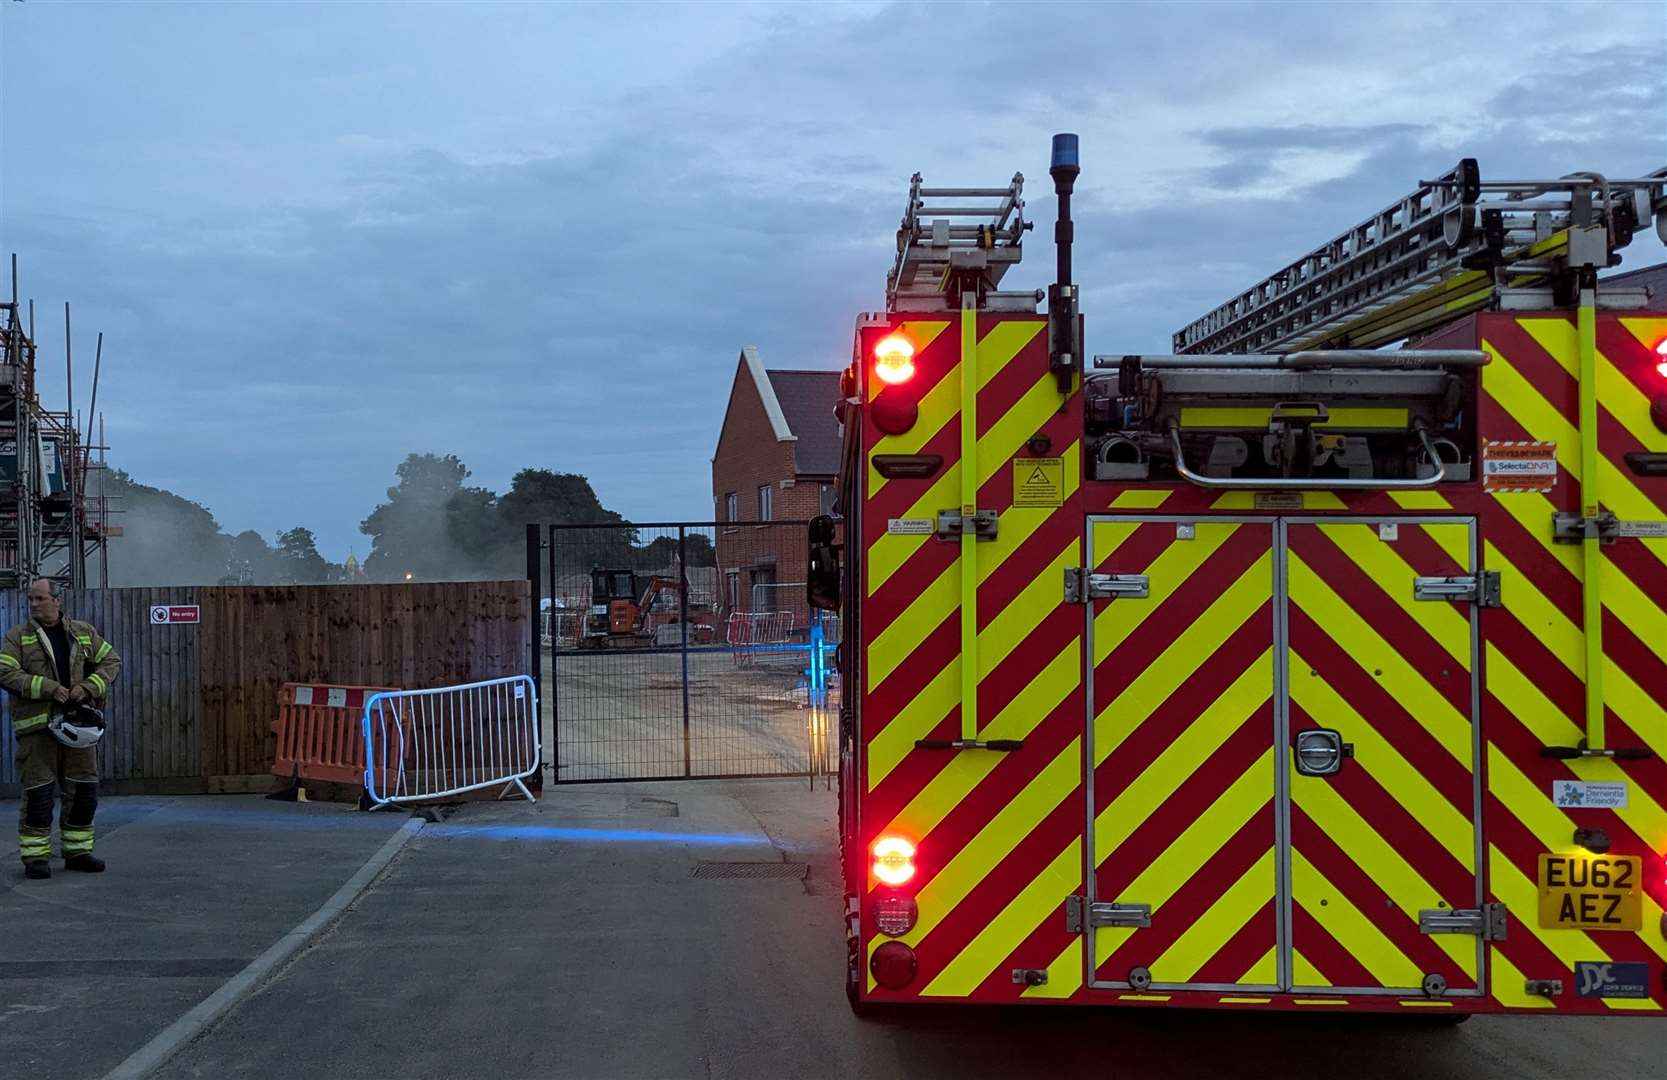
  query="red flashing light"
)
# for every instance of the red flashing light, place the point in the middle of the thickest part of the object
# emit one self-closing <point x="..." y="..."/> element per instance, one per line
<point x="894" y="860"/>
<point x="894" y="360"/>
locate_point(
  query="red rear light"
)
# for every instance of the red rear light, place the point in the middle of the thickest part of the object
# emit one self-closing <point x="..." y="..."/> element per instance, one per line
<point x="894" y="860"/>
<point x="894" y="965"/>
<point x="1661" y="351"/>
<point x="894" y="360"/>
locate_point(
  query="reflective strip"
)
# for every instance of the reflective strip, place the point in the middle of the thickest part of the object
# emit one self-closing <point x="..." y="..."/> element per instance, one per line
<point x="98" y="680"/>
<point x="35" y="686"/>
<point x="32" y="846"/>
<point x="76" y="841"/>
<point x="103" y="651"/>
<point x="84" y="640"/>
<point x="31" y="639"/>
<point x="10" y="661"/>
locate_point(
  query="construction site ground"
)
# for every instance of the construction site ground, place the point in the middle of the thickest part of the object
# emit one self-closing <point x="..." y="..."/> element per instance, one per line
<point x="622" y="714"/>
<point x="592" y="934"/>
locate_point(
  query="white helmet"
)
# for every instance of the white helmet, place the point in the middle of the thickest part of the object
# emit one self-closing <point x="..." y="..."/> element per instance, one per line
<point x="81" y="726"/>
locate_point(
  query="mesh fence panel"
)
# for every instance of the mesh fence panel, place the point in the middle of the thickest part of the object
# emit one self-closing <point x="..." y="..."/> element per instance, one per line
<point x="683" y="650"/>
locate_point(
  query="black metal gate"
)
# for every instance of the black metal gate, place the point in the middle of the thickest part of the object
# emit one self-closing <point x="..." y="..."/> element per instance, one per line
<point x="680" y="650"/>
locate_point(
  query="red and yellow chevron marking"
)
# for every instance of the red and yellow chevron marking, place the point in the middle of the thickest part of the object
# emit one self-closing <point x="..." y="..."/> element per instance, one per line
<point x="1393" y="832"/>
<point x="1183" y="754"/>
<point x="1536" y="671"/>
<point x="998" y="834"/>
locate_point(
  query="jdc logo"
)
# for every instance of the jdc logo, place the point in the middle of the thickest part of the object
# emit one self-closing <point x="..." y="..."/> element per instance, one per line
<point x="1611" y="980"/>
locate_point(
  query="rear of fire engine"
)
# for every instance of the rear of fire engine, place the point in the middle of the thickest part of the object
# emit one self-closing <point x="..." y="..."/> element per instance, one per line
<point x="1317" y="665"/>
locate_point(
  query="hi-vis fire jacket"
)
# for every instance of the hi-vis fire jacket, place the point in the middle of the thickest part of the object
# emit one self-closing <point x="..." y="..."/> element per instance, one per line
<point x="29" y="670"/>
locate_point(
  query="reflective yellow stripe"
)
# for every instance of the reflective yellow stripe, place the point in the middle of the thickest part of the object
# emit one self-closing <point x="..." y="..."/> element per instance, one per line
<point x="1229" y="914"/>
<point x="98" y="680"/>
<point x="973" y="964"/>
<point x="103" y="651"/>
<point x="8" y="660"/>
<point x="35" y="686"/>
<point x="31" y="639"/>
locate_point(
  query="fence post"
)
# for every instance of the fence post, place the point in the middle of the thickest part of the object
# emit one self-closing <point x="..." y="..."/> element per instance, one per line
<point x="683" y="623"/>
<point x="555" y="668"/>
<point x="536" y="588"/>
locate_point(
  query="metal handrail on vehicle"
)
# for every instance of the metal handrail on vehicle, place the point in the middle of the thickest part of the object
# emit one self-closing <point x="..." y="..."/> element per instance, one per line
<point x="1309" y="483"/>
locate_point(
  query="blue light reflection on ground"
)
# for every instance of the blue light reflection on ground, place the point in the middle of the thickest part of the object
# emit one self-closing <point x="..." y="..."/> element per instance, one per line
<point x="594" y="836"/>
<point x="278" y="818"/>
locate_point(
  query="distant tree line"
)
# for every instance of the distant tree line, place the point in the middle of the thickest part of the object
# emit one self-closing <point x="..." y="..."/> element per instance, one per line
<point x="433" y="526"/>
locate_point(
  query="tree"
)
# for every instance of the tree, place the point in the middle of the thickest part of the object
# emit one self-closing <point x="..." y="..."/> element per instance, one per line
<point x="166" y="539"/>
<point x="409" y="535"/>
<point x="544" y="497"/>
<point x="298" y="558"/>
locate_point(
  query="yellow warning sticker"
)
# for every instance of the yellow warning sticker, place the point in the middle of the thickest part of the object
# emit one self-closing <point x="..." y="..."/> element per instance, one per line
<point x="1038" y="481"/>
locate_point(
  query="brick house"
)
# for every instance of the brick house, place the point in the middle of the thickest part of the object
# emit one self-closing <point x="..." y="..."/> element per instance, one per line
<point x="776" y="458"/>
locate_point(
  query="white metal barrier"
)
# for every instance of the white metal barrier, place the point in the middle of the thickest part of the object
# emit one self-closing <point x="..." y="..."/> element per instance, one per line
<point x="432" y="744"/>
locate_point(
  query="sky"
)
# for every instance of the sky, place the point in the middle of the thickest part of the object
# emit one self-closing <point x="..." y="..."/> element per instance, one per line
<point x="320" y="237"/>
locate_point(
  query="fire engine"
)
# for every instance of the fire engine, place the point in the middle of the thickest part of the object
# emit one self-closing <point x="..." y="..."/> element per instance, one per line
<point x="1316" y="665"/>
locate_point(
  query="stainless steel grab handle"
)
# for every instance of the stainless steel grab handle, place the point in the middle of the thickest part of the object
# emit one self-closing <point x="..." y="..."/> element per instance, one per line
<point x="1309" y="483"/>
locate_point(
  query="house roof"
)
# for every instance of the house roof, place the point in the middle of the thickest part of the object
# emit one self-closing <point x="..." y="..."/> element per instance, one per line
<point x="806" y="401"/>
<point x="1653" y="278"/>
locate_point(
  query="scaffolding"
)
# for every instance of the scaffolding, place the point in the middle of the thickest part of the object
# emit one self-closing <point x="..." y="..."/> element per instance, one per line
<point x="54" y="512"/>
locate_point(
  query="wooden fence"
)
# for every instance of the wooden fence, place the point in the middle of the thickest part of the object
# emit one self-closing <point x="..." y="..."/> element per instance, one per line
<point x="194" y="707"/>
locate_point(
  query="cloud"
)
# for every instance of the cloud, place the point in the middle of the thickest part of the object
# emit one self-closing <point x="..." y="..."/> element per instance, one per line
<point x="321" y="239"/>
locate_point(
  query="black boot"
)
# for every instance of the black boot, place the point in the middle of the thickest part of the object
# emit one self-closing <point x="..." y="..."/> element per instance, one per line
<point x="85" y="862"/>
<point x="37" y="869"/>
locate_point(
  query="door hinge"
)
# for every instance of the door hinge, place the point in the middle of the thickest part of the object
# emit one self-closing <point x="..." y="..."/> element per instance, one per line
<point x="1480" y="589"/>
<point x="984" y="524"/>
<point x="1488" y="922"/>
<point x="1082" y="586"/>
<point x="1103" y="914"/>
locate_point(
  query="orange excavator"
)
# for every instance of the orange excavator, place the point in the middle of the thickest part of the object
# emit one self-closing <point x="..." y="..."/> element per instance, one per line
<point x="628" y="610"/>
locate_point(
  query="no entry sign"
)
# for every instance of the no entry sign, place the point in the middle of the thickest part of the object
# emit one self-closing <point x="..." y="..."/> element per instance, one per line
<point x="169" y="614"/>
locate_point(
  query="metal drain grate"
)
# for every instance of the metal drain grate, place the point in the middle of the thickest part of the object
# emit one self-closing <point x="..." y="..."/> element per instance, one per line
<point x="751" y="870"/>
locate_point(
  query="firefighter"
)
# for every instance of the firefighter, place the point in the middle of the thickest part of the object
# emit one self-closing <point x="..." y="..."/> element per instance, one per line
<point x="57" y="670"/>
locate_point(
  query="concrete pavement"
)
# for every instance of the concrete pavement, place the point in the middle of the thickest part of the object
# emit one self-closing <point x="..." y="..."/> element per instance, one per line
<point x="593" y="935"/>
<point x="93" y="966"/>
<point x="573" y="939"/>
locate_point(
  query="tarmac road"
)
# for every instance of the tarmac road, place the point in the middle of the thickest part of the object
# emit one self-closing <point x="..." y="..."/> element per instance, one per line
<point x="570" y="939"/>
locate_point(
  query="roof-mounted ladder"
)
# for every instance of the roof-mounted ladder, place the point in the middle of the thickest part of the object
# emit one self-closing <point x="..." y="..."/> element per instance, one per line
<point x="1453" y="246"/>
<point x="937" y="259"/>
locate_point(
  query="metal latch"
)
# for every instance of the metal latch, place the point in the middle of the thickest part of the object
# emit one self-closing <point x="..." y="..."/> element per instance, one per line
<point x="1571" y="528"/>
<point x="1487" y="922"/>
<point x="984" y="522"/>
<point x="1103" y="914"/>
<point x="1480" y="589"/>
<point x="1082" y="586"/>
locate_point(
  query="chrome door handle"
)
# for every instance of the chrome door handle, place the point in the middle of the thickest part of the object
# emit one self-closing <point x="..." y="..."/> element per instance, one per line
<point x="1321" y="752"/>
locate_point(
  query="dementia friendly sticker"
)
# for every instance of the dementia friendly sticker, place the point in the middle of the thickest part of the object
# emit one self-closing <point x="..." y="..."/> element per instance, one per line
<point x="1518" y="466"/>
<point x="1589" y="795"/>
<point x="1038" y="481"/>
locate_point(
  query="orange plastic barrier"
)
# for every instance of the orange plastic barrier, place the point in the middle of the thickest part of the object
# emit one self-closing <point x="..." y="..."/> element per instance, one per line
<point x="320" y="732"/>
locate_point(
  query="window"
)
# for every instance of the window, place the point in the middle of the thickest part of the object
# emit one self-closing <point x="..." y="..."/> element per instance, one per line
<point x="731" y="509"/>
<point x="764" y="588"/>
<point x="734" y="579"/>
<point x="766" y="504"/>
<point x="826" y="501"/>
